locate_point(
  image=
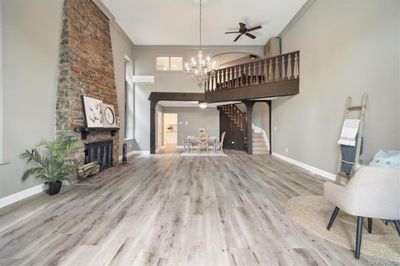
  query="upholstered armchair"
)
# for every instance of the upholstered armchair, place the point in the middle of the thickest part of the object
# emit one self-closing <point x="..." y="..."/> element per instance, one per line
<point x="371" y="193"/>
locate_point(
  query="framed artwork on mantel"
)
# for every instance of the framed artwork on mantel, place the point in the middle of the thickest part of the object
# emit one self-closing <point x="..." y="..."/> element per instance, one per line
<point x="109" y="118"/>
<point x="93" y="112"/>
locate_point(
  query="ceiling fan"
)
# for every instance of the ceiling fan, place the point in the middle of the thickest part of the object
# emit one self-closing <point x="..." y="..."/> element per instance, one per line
<point x="243" y="30"/>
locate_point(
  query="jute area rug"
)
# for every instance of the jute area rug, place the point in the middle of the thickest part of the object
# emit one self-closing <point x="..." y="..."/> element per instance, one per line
<point x="313" y="213"/>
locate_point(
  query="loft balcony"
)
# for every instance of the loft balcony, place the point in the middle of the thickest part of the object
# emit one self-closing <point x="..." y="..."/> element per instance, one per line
<point x="268" y="77"/>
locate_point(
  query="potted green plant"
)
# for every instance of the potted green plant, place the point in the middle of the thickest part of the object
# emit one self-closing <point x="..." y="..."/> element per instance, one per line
<point x="51" y="161"/>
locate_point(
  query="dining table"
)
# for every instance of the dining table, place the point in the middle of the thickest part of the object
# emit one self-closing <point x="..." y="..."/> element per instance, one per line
<point x="202" y="142"/>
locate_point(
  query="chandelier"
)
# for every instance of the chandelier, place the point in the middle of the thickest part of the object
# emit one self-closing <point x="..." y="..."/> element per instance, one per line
<point x="199" y="69"/>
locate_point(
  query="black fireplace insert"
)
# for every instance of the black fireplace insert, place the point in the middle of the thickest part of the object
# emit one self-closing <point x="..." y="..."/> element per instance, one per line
<point x="100" y="152"/>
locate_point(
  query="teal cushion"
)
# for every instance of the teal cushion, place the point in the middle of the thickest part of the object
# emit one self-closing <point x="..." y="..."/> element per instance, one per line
<point x="384" y="159"/>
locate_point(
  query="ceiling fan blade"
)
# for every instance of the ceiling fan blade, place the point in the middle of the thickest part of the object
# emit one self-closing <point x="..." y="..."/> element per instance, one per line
<point x="229" y="32"/>
<point x="242" y="25"/>
<point x="254" y="28"/>
<point x="250" y="35"/>
<point x="237" y="38"/>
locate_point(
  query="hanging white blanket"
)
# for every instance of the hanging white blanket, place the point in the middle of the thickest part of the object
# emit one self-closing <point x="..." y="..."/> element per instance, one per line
<point x="349" y="132"/>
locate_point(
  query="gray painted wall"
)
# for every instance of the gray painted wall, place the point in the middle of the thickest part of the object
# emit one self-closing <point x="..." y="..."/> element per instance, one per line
<point x="121" y="47"/>
<point x="1" y="81"/>
<point x="30" y="42"/>
<point x="347" y="48"/>
<point x="31" y="33"/>
<point x="207" y="118"/>
<point x="260" y="115"/>
<point x="144" y="58"/>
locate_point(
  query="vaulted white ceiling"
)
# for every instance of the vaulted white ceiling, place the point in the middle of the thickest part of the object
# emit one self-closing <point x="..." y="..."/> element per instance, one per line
<point x="176" y="22"/>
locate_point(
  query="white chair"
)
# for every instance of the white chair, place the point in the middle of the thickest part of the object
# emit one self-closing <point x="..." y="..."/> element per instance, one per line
<point x="371" y="193"/>
<point x="186" y="143"/>
<point x="220" y="145"/>
<point x="212" y="142"/>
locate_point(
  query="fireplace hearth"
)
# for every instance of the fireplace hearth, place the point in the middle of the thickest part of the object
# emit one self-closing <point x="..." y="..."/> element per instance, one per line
<point x="100" y="152"/>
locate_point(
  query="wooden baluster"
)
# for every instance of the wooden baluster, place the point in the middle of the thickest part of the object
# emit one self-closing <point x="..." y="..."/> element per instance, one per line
<point x="219" y="80"/>
<point x="255" y="78"/>
<point x="248" y="74"/>
<point x="290" y="67"/>
<point x="273" y="70"/>
<point x="285" y="64"/>
<point x="222" y="79"/>
<point x="229" y="78"/>
<point x="251" y="65"/>
<point x="278" y="69"/>
<point x="226" y="78"/>
<point x="297" y="66"/>
<point x="246" y="70"/>
<point x="266" y="70"/>
<point x="234" y="77"/>
<point x="213" y="82"/>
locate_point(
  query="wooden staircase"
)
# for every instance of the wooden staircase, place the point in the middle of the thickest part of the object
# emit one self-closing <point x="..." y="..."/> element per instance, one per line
<point x="233" y="122"/>
<point x="259" y="144"/>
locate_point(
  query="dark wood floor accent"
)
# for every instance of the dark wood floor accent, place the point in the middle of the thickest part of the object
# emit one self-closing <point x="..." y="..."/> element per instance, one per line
<point x="232" y="121"/>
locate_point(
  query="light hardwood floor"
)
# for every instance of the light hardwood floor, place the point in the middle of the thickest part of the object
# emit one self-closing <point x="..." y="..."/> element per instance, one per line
<point x="172" y="210"/>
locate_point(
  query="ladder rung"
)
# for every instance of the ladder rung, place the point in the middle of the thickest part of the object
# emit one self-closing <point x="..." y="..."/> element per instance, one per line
<point x="356" y="107"/>
<point x="343" y="161"/>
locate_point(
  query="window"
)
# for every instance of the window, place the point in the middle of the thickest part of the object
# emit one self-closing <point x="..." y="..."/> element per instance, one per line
<point x="129" y="100"/>
<point x="164" y="63"/>
<point x="176" y="63"/>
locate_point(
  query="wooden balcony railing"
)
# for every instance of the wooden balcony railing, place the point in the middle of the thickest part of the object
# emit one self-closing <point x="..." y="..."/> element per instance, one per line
<point x="273" y="69"/>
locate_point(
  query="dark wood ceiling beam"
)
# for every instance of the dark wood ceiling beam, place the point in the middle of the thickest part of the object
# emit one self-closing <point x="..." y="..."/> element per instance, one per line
<point x="176" y="96"/>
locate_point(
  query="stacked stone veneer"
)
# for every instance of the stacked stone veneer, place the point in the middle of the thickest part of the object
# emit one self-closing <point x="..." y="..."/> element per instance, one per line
<point x="86" y="68"/>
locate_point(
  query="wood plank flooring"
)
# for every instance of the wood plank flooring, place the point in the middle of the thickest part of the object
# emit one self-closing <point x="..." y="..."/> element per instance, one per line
<point x="171" y="210"/>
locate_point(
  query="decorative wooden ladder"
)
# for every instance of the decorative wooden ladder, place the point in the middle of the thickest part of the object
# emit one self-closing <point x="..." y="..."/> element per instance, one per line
<point x="233" y="122"/>
<point x="349" y="111"/>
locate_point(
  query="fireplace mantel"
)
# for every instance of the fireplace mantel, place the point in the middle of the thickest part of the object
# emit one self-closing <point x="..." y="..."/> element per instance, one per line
<point x="86" y="131"/>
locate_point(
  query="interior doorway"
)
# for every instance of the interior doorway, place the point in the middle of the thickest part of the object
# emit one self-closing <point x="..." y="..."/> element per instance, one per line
<point x="170" y="129"/>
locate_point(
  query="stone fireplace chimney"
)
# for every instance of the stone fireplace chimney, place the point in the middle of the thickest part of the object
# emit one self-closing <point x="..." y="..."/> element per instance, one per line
<point x="86" y="69"/>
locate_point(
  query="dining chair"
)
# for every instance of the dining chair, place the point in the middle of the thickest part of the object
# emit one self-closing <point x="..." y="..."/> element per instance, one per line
<point x="220" y="145"/>
<point x="212" y="142"/>
<point x="194" y="142"/>
<point x="186" y="143"/>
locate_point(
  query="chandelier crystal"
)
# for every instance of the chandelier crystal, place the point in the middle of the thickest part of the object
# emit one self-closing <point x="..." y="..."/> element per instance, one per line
<point x="201" y="68"/>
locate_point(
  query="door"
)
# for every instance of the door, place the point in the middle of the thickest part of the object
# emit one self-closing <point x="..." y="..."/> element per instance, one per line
<point x="170" y="129"/>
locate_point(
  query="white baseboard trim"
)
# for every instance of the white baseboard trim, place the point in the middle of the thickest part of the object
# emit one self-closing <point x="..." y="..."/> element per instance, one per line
<point x="310" y="168"/>
<point x="8" y="200"/>
<point x="140" y="152"/>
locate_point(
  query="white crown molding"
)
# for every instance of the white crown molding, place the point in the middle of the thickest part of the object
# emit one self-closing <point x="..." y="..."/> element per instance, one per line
<point x="310" y="168"/>
<point x="296" y="17"/>
<point x="13" y="198"/>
